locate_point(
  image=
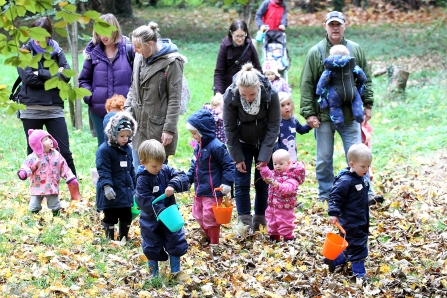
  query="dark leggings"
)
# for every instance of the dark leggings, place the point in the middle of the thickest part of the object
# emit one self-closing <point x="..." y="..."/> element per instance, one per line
<point x="112" y="215"/>
<point x="57" y="128"/>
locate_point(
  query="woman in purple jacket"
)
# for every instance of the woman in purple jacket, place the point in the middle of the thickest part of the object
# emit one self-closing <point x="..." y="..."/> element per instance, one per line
<point x="106" y="71"/>
<point x="235" y="50"/>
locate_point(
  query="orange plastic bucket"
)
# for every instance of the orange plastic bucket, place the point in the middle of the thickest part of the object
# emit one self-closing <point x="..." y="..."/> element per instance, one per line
<point x="222" y="214"/>
<point x="334" y="244"/>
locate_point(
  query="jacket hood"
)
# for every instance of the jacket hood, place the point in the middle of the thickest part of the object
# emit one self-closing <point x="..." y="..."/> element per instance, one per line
<point x="203" y="121"/>
<point x="337" y="61"/>
<point x="167" y="47"/>
<point x="35" y="137"/>
<point x="111" y="129"/>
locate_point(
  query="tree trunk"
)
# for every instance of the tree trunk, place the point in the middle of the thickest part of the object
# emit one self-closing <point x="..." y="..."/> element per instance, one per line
<point x="76" y="106"/>
<point x="398" y="78"/>
<point x="123" y="8"/>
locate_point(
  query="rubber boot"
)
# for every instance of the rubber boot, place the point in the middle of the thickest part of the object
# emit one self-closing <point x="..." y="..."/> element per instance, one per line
<point x="109" y="231"/>
<point x="358" y="268"/>
<point x="214" y="233"/>
<point x="124" y="230"/>
<point x="56" y="212"/>
<point x="153" y="268"/>
<point x="289" y="238"/>
<point x="246" y="219"/>
<point x="258" y="220"/>
<point x="175" y="264"/>
<point x="275" y="238"/>
<point x="339" y="260"/>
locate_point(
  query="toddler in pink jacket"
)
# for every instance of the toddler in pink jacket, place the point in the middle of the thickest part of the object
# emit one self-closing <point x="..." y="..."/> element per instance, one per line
<point x="45" y="167"/>
<point x="283" y="186"/>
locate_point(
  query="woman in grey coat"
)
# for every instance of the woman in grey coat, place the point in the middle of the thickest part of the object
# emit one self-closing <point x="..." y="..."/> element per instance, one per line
<point x="252" y="116"/>
<point x="155" y="92"/>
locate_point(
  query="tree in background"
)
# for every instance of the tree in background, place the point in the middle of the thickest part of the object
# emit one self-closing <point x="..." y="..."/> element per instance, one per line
<point x="12" y="12"/>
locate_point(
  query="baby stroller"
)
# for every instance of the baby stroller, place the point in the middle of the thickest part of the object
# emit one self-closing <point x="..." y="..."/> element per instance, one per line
<point x="274" y="52"/>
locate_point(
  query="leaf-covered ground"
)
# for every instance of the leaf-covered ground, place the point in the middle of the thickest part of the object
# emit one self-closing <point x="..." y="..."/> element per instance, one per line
<point x="66" y="256"/>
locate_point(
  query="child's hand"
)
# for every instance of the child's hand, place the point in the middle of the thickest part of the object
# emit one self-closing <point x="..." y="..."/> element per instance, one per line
<point x="73" y="182"/>
<point x="169" y="191"/>
<point x="226" y="189"/>
<point x="282" y="27"/>
<point x="22" y="174"/>
<point x="333" y="219"/>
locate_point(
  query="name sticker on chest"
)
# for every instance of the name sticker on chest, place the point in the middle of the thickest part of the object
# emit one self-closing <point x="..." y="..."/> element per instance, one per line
<point x="359" y="187"/>
<point x="156" y="189"/>
<point x="123" y="164"/>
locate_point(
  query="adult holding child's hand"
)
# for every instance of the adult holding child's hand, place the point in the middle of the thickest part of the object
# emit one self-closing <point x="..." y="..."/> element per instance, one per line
<point x="251" y="119"/>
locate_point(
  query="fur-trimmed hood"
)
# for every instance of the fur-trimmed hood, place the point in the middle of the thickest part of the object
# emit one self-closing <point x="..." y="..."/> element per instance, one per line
<point x="111" y="129"/>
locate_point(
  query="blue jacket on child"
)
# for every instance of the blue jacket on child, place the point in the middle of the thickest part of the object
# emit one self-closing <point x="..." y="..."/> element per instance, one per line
<point x="158" y="240"/>
<point x="212" y="165"/>
<point x="348" y="201"/>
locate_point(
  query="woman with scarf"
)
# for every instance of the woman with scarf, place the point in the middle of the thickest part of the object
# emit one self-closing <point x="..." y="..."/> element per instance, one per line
<point x="252" y="116"/>
<point x="154" y="95"/>
<point x="44" y="107"/>
<point x="235" y="50"/>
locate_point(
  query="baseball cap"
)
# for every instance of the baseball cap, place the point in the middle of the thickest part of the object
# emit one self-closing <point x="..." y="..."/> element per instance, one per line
<point x="335" y="16"/>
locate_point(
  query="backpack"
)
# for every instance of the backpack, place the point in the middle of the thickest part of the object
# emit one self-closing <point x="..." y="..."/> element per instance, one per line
<point x="185" y="95"/>
<point x="130" y="54"/>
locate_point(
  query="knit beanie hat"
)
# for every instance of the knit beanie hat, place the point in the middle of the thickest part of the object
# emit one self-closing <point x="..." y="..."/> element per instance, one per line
<point x="35" y="137"/>
<point x="124" y="124"/>
<point x="190" y="127"/>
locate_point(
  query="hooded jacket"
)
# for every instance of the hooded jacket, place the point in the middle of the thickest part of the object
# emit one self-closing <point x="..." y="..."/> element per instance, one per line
<point x="33" y="86"/>
<point x="226" y="58"/>
<point x="154" y="96"/>
<point x="115" y="167"/>
<point x="259" y="130"/>
<point x="348" y="201"/>
<point x="45" y="169"/>
<point x="104" y="78"/>
<point x="312" y="70"/>
<point x="212" y="164"/>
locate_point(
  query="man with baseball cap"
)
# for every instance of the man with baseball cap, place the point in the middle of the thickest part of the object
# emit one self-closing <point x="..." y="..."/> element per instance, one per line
<point x="335" y="25"/>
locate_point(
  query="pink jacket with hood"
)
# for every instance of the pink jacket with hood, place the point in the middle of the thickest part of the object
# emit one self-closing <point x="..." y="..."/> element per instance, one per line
<point x="45" y="169"/>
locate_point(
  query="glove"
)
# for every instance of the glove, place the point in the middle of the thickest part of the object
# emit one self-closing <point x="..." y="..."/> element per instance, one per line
<point x="109" y="193"/>
<point x="225" y="189"/>
<point x="22" y="174"/>
<point x="73" y="182"/>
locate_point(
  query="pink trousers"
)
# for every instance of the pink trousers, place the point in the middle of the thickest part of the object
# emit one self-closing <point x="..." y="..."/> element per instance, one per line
<point x="280" y="221"/>
<point x="203" y="212"/>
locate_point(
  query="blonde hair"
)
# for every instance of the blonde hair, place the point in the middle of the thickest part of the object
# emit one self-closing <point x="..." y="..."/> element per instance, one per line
<point x="116" y="35"/>
<point x="280" y="154"/>
<point x="151" y="150"/>
<point x="144" y="34"/>
<point x="268" y="72"/>
<point x="339" y="49"/>
<point x="359" y="152"/>
<point x="284" y="96"/>
<point x="247" y="76"/>
<point x="116" y="102"/>
<point x="216" y="101"/>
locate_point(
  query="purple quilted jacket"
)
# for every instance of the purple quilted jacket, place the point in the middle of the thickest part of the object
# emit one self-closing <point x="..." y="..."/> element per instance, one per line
<point x="104" y="78"/>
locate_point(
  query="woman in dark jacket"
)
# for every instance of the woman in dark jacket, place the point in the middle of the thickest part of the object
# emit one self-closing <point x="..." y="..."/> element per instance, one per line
<point x="106" y="71"/>
<point x="252" y="116"/>
<point x="44" y="107"/>
<point x="230" y="58"/>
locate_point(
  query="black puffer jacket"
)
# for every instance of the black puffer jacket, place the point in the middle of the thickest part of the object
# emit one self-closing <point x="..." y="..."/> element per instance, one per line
<point x="33" y="86"/>
<point x="260" y="130"/>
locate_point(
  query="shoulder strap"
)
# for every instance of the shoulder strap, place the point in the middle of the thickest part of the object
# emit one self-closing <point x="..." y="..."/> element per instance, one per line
<point x="240" y="57"/>
<point x="349" y="46"/>
<point x="16" y="84"/>
<point x="129" y="54"/>
<point x="320" y="48"/>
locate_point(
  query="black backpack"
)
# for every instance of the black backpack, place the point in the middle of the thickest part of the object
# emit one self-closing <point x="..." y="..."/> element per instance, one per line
<point x="14" y="96"/>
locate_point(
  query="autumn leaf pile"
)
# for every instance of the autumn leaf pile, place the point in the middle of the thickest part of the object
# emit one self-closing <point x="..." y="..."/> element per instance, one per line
<point x="67" y="256"/>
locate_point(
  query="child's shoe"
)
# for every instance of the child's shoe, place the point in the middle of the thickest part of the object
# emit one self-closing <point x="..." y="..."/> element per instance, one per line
<point x="214" y="234"/>
<point x="275" y="238"/>
<point x="340" y="260"/>
<point x="175" y="264"/>
<point x="109" y="231"/>
<point x="358" y="268"/>
<point x="289" y="237"/>
<point x="124" y="228"/>
<point x="153" y="268"/>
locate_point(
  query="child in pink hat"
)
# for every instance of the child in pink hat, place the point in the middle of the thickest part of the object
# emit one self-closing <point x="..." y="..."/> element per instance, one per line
<point x="45" y="167"/>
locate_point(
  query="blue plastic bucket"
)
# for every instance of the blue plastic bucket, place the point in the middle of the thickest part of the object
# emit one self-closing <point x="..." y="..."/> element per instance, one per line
<point x="171" y="216"/>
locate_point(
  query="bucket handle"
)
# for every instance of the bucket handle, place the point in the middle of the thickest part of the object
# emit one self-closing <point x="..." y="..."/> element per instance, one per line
<point x="158" y="199"/>
<point x="217" y="189"/>
<point x="340" y="228"/>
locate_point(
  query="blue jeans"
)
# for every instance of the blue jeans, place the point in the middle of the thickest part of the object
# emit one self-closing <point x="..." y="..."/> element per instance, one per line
<point x="98" y="125"/>
<point x="350" y="134"/>
<point x="242" y="185"/>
